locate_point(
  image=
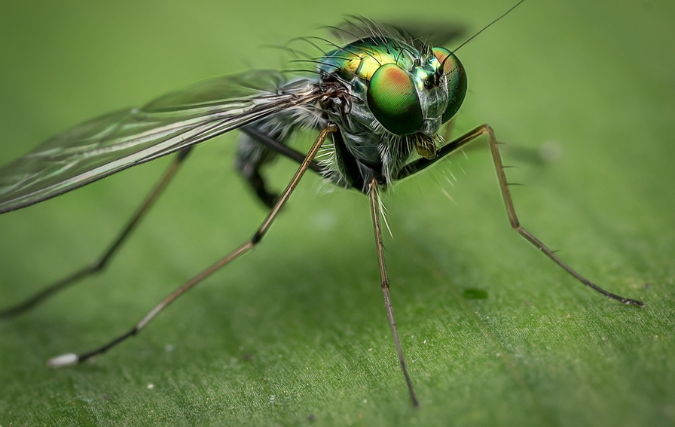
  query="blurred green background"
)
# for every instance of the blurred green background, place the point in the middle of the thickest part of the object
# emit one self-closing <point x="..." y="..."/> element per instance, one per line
<point x="295" y="333"/>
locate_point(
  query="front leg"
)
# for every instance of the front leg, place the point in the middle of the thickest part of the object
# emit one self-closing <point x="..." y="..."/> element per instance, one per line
<point x="421" y="164"/>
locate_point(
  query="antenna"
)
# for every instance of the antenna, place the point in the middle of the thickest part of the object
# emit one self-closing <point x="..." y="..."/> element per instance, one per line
<point x="488" y="25"/>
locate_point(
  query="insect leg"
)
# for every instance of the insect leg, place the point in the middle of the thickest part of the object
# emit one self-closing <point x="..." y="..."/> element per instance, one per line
<point x="384" y="280"/>
<point x="71" y="359"/>
<point x="250" y="165"/>
<point x="280" y="148"/>
<point x="422" y="164"/>
<point x="102" y="261"/>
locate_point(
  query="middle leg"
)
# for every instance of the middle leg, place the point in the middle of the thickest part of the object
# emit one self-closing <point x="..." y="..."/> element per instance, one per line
<point x="384" y="284"/>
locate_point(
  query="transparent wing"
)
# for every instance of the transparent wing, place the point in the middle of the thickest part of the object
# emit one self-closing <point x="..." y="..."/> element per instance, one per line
<point x="116" y="141"/>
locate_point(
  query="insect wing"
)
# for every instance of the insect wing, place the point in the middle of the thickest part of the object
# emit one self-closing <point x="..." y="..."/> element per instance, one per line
<point x="418" y="33"/>
<point x="116" y="141"/>
<point x="431" y="33"/>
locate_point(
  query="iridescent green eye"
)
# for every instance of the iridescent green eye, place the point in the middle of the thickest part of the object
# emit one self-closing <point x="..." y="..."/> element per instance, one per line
<point x="454" y="71"/>
<point x="392" y="99"/>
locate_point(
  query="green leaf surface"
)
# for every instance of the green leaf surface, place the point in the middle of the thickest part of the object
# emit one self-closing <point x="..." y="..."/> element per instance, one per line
<point x="295" y="332"/>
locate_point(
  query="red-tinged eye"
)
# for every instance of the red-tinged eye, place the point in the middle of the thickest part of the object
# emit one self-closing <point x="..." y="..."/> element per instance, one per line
<point x="393" y="100"/>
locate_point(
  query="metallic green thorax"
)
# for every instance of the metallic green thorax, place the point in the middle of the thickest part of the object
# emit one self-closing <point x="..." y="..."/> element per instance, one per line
<point x="362" y="58"/>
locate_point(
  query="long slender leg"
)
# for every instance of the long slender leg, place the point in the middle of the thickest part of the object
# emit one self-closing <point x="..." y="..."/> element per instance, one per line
<point x="508" y="202"/>
<point x="71" y="359"/>
<point x="384" y="280"/>
<point x="251" y="161"/>
<point x="280" y="148"/>
<point x="102" y="261"/>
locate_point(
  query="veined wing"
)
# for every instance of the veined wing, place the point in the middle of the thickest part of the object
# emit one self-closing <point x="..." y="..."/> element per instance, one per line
<point x="116" y="141"/>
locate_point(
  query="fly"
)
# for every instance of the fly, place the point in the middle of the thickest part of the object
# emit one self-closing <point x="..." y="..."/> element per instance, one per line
<point x="377" y="102"/>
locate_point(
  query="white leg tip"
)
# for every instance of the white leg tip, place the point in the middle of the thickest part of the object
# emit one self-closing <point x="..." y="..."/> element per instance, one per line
<point x="62" y="360"/>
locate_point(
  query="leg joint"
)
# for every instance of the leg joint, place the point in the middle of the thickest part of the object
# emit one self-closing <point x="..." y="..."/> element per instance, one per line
<point x="257" y="237"/>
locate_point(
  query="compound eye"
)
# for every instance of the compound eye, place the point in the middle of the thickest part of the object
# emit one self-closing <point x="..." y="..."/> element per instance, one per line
<point x="393" y="100"/>
<point x="454" y="72"/>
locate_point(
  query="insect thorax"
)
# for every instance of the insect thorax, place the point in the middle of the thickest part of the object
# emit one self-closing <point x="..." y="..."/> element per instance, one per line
<point x="388" y="99"/>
